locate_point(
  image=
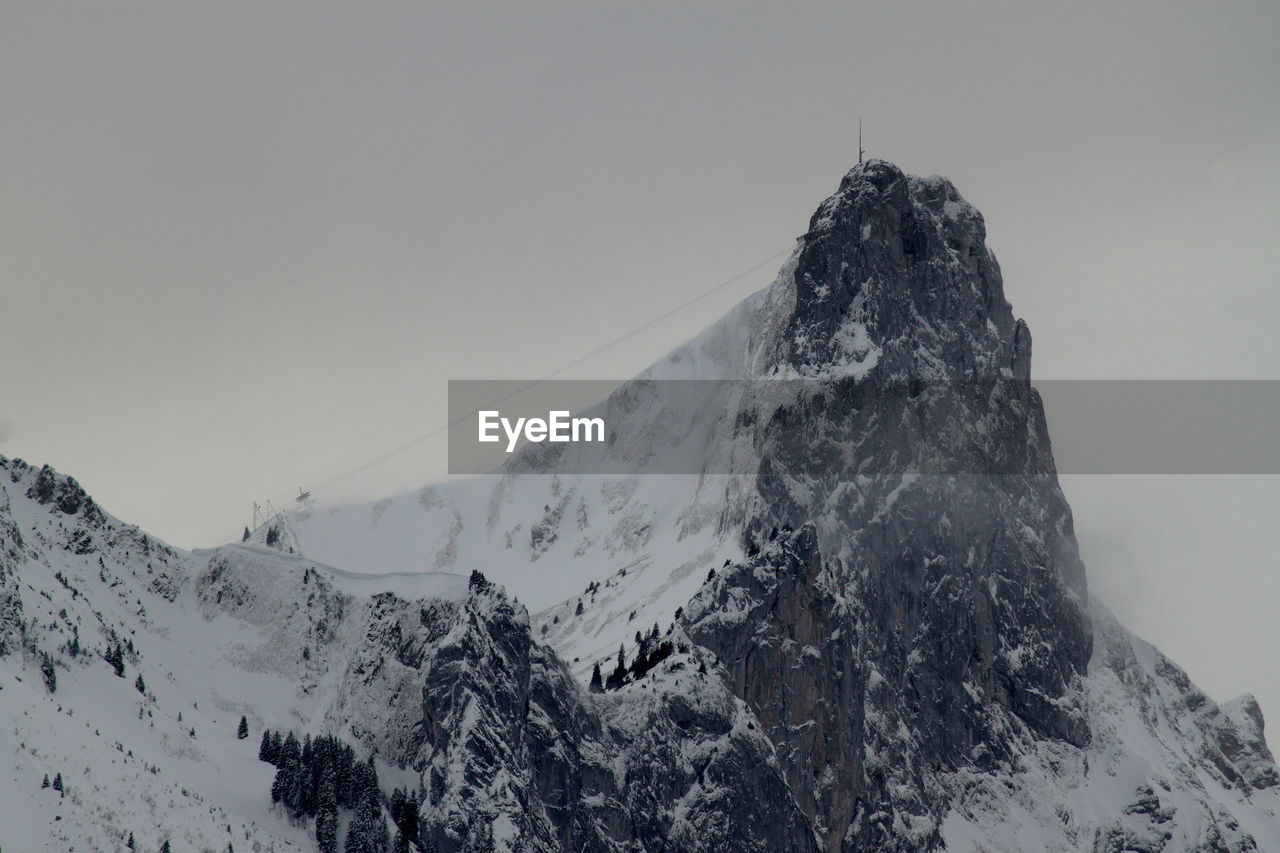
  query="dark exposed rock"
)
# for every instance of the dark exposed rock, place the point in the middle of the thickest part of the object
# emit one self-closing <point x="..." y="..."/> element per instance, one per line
<point x="915" y="623"/>
<point x="679" y="765"/>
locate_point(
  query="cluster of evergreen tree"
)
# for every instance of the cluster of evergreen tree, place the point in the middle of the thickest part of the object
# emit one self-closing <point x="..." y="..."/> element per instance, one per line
<point x="650" y="651"/>
<point x="316" y="778"/>
<point x="404" y="814"/>
<point x="115" y="657"/>
<point x="49" y="671"/>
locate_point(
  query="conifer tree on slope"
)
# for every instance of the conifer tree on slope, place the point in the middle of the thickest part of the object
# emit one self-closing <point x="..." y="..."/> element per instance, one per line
<point x="597" y="685"/>
<point x="327" y="816"/>
<point x="367" y="832"/>
<point x="265" y="751"/>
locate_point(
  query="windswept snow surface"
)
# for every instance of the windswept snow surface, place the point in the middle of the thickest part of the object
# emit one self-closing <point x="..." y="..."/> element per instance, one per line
<point x="642" y="544"/>
<point x="1149" y="779"/>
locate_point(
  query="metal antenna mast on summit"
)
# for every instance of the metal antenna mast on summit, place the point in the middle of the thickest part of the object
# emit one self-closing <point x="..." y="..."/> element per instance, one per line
<point x="860" y="151"/>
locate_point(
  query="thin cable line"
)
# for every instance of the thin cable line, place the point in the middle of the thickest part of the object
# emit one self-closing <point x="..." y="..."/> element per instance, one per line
<point x="595" y="352"/>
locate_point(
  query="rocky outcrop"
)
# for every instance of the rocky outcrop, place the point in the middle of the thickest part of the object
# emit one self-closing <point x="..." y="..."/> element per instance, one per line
<point x="932" y="600"/>
<point x="896" y="267"/>
<point x="515" y="747"/>
<point x="507" y="743"/>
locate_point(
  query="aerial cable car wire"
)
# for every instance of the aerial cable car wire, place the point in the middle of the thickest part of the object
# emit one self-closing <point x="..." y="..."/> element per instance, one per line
<point x="308" y="494"/>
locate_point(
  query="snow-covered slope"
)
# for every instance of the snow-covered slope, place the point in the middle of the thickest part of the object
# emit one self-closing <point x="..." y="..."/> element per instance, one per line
<point x="207" y="637"/>
<point x="642" y="544"/>
<point x="157" y="758"/>
<point x="1167" y="769"/>
<point x="643" y="540"/>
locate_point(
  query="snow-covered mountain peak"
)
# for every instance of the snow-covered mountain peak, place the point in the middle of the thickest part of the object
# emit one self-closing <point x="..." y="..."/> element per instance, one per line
<point x="894" y="274"/>
<point x="892" y="280"/>
<point x="869" y="629"/>
<point x="893" y="271"/>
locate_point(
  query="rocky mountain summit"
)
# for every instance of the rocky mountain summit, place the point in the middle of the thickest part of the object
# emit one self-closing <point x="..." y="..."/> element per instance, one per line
<point x="875" y="634"/>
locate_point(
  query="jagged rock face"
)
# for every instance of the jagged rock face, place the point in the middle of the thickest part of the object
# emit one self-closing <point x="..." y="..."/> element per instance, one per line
<point x="502" y="736"/>
<point x="896" y="267"/>
<point x="917" y="619"/>
<point x="11" y="552"/>
<point x="514" y="743"/>
<point x="871" y="685"/>
<point x="775" y="626"/>
<point x="945" y="619"/>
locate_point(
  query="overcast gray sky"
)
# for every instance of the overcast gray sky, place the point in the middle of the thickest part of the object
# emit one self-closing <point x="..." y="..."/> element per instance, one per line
<point x="243" y="246"/>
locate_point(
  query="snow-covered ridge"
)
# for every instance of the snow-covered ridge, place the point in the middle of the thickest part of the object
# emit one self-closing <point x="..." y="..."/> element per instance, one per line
<point x="407" y="585"/>
<point x="206" y="637"/>
<point x="1167" y="769"/>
